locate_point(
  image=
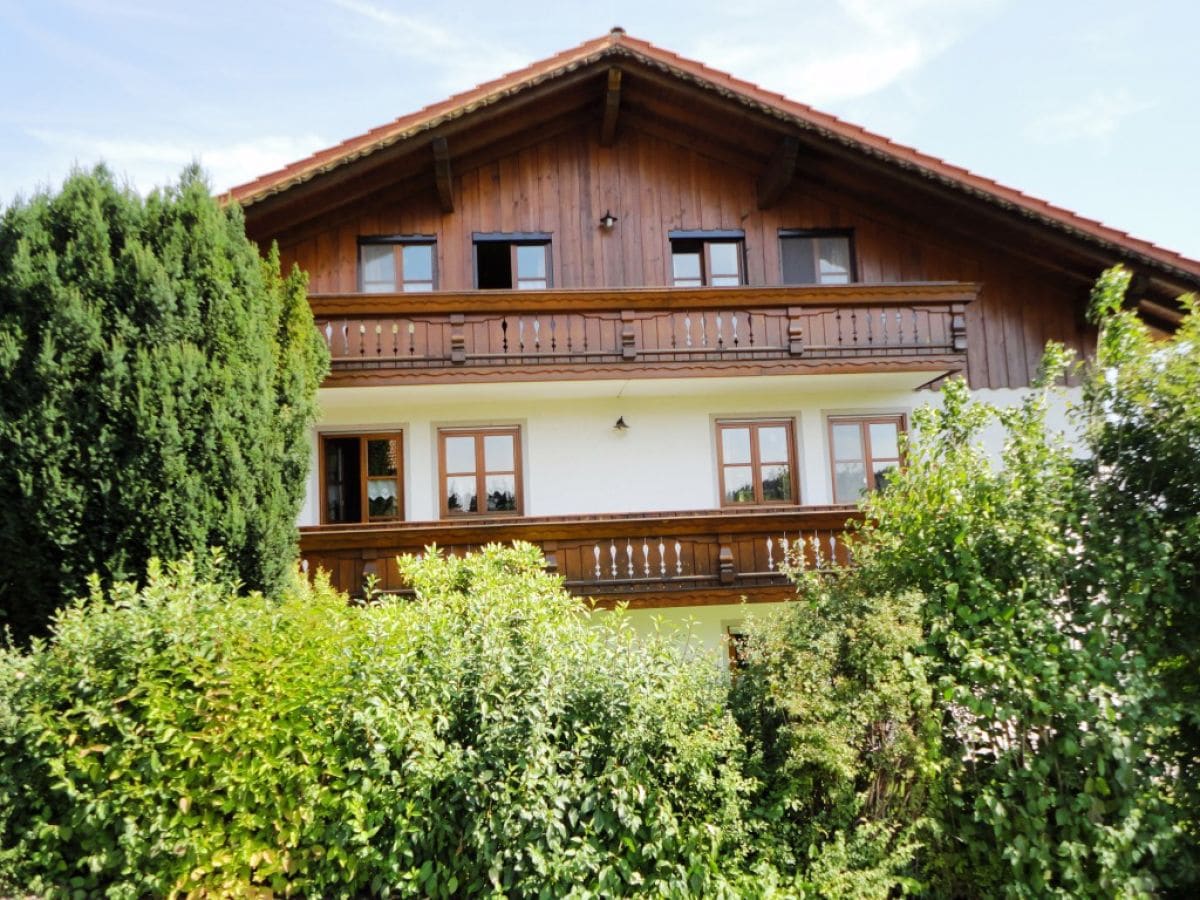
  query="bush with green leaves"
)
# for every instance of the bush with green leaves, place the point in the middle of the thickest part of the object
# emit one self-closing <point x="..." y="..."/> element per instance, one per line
<point x="485" y="737"/>
<point x="157" y="386"/>
<point x="1049" y="606"/>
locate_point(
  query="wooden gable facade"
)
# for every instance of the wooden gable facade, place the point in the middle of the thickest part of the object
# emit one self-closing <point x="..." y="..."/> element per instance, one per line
<point x="948" y="272"/>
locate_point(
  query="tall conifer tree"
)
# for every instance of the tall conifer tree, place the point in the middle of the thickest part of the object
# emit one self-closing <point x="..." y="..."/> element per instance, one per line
<point x="157" y="382"/>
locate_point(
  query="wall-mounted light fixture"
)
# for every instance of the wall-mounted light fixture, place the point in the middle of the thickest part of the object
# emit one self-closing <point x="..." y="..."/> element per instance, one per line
<point x="608" y="220"/>
<point x="621" y="424"/>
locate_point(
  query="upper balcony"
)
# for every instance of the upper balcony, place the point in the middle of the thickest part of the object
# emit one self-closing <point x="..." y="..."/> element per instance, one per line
<point x="582" y="334"/>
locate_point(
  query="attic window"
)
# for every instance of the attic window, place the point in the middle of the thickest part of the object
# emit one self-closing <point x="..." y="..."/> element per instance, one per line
<point x="508" y="261"/>
<point x="397" y="263"/>
<point x="816" y="257"/>
<point x="707" y="258"/>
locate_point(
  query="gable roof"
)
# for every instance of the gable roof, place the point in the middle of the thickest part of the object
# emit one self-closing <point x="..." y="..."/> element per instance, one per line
<point x="616" y="46"/>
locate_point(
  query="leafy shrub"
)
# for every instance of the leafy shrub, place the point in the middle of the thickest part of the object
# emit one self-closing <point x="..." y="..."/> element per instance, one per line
<point x="157" y="387"/>
<point x="484" y="737"/>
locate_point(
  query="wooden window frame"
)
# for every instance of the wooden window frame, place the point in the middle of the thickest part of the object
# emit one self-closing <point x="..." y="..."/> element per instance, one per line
<point x="900" y="420"/>
<point x="814" y="234"/>
<point x="363" y="477"/>
<point x="756" y="462"/>
<point x="398" y="242"/>
<point x="707" y="239"/>
<point x="481" y="472"/>
<point x="514" y="240"/>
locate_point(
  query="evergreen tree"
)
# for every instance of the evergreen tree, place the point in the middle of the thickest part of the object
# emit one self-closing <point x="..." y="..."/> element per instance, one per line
<point x="157" y="382"/>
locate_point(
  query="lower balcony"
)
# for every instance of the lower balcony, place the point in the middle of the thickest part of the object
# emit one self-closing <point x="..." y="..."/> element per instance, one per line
<point x="644" y="559"/>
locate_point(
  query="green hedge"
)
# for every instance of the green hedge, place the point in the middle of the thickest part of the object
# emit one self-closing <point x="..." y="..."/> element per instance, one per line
<point x="485" y="737"/>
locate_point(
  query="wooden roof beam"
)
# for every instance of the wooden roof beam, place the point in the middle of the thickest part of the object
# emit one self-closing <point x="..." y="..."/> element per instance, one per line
<point x="441" y="174"/>
<point x="612" y="106"/>
<point x="778" y="174"/>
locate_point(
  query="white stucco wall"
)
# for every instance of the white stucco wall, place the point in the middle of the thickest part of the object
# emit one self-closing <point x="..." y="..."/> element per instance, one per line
<point x="575" y="462"/>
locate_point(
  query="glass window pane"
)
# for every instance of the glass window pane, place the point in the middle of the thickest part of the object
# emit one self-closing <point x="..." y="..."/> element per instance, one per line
<point x="777" y="483"/>
<point x="531" y="261"/>
<point x="501" y="493"/>
<point x="725" y="280"/>
<point x="773" y="444"/>
<point x="382" y="456"/>
<point x="685" y="266"/>
<point x="418" y="287"/>
<point x="382" y="498"/>
<point x="739" y="484"/>
<point x="882" y="471"/>
<point x="418" y="262"/>
<point x="498" y="453"/>
<point x="527" y="284"/>
<point x="849" y="481"/>
<point x="378" y="267"/>
<point x="798" y="260"/>
<point x="735" y="445"/>
<point x="834" y="253"/>
<point x="460" y="453"/>
<point x="885" y="442"/>
<point x="723" y="259"/>
<point x="847" y="441"/>
<point x="460" y="495"/>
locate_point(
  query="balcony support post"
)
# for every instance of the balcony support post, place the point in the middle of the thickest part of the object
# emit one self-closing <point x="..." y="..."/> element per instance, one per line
<point x="458" y="340"/>
<point x="628" y="335"/>
<point x="725" y="562"/>
<point x="795" y="331"/>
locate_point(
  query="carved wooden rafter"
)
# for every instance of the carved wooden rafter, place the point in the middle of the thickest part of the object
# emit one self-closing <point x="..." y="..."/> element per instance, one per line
<point x="612" y="106"/>
<point x="778" y="174"/>
<point x="441" y="174"/>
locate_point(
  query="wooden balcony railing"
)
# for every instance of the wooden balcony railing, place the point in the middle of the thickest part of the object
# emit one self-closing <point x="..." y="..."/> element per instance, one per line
<point x="597" y="334"/>
<point x="649" y="559"/>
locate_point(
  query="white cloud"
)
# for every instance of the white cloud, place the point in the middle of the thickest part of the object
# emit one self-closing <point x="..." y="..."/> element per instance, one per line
<point x="148" y="163"/>
<point x="1093" y="118"/>
<point x="844" y="50"/>
<point x="456" y="59"/>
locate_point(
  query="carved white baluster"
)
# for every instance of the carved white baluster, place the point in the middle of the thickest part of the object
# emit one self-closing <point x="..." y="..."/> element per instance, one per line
<point x="629" y="557"/>
<point x="678" y="558"/>
<point x="703" y="331"/>
<point x="596" y="554"/>
<point x="816" y="545"/>
<point x="521" y="332"/>
<point x="378" y="339"/>
<point x="329" y="335"/>
<point x="612" y="553"/>
<point x="345" y="338"/>
<point x="733" y="322"/>
<point x="720" y="335"/>
<point x="662" y="558"/>
<point x="687" y="329"/>
<point x="832" y="549"/>
<point x="770" y="555"/>
<point x="304" y="566"/>
<point x="646" y="557"/>
<point x="537" y="334"/>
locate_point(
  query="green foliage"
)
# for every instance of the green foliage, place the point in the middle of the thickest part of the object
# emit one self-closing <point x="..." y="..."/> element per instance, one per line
<point x="157" y="383"/>
<point x="1049" y="609"/>
<point x="486" y="737"/>
<point x="844" y="739"/>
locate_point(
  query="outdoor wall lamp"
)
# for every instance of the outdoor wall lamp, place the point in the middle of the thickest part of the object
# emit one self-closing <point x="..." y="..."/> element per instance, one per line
<point x="608" y="220"/>
<point x="621" y="424"/>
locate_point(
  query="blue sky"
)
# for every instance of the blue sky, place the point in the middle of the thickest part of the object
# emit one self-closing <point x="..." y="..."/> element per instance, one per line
<point x="1094" y="106"/>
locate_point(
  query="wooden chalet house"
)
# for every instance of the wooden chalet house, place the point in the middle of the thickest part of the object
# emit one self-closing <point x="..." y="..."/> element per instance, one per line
<point x="659" y="321"/>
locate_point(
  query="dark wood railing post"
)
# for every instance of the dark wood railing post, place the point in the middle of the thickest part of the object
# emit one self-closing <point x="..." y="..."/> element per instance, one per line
<point x="628" y="336"/>
<point x="725" y="563"/>
<point x="550" y="552"/>
<point x="958" y="327"/>
<point x="795" y="331"/>
<point x="458" y="340"/>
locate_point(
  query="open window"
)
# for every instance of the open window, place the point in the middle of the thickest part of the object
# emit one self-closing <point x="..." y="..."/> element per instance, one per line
<point x="817" y="257"/>
<point x="399" y="263"/>
<point x="361" y="478"/>
<point x="864" y="451"/>
<point x="707" y="258"/>
<point x="757" y="462"/>
<point x="512" y="262"/>
<point x="480" y="471"/>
